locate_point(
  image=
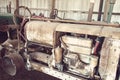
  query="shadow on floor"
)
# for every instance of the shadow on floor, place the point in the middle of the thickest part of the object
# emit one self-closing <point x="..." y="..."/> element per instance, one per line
<point x="26" y="75"/>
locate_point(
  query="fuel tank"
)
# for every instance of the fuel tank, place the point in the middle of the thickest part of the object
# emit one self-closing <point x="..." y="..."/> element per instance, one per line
<point x="40" y="32"/>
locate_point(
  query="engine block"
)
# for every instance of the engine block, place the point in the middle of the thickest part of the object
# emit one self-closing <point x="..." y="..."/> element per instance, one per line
<point x="74" y="48"/>
<point x="70" y="51"/>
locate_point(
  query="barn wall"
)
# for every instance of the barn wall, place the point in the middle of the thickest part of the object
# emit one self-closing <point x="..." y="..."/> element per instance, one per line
<point x="68" y="9"/>
<point x="116" y="18"/>
<point x="37" y="6"/>
<point x="4" y="3"/>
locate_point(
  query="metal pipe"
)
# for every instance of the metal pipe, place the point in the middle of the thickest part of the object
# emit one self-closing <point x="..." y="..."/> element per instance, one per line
<point x="112" y="2"/>
<point x="99" y="19"/>
<point x="100" y="10"/>
<point x="109" y="4"/>
<point x="78" y="22"/>
<point x="96" y="46"/>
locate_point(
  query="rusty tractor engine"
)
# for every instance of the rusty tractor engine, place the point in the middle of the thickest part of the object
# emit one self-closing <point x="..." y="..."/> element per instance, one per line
<point x="67" y="51"/>
<point x="76" y="49"/>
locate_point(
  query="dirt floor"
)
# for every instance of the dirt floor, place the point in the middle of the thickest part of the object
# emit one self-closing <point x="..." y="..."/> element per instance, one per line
<point x="26" y="75"/>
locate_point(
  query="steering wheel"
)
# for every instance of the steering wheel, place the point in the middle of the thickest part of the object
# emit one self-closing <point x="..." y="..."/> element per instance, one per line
<point x="21" y="13"/>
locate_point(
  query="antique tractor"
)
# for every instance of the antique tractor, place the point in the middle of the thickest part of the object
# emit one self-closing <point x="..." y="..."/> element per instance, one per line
<point x="67" y="50"/>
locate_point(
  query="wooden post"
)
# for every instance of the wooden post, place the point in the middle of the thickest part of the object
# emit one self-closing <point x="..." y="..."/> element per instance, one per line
<point x="53" y="4"/>
<point x="17" y="5"/>
<point x="91" y="10"/>
<point x="106" y="10"/>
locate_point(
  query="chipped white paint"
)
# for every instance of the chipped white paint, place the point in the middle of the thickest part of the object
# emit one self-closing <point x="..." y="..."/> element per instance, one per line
<point x="109" y="59"/>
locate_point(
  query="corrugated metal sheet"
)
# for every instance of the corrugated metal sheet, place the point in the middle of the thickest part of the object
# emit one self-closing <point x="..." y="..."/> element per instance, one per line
<point x="116" y="18"/>
<point x="4" y="3"/>
<point x="36" y="6"/>
<point x="71" y="9"/>
<point x="68" y="9"/>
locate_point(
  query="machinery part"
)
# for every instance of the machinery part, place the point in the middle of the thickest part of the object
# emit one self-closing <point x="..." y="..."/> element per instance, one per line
<point x="93" y="64"/>
<point x="53" y="14"/>
<point x="59" y="58"/>
<point x="77" y="45"/>
<point x="24" y="17"/>
<point x="6" y="19"/>
<point x="55" y="73"/>
<point x="58" y="55"/>
<point x="79" y="67"/>
<point x="77" y="41"/>
<point x="12" y="63"/>
<point x="109" y="59"/>
<point x="27" y="57"/>
<point x="40" y="32"/>
<point x="4" y="28"/>
<point x="21" y="16"/>
<point x="86" y="29"/>
<point x="10" y="43"/>
<point x="79" y="49"/>
<point x="93" y="61"/>
<point x="97" y="45"/>
<point x="39" y="56"/>
<point x="80" y="62"/>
